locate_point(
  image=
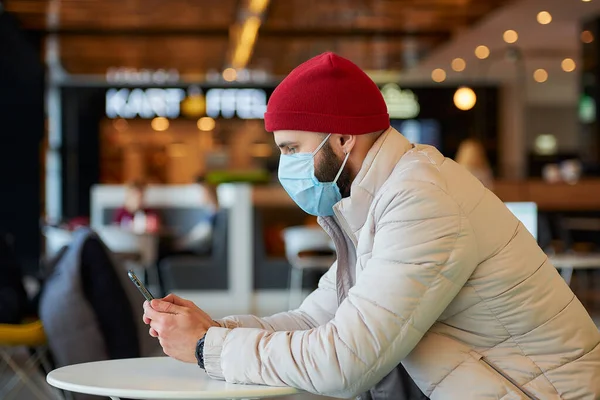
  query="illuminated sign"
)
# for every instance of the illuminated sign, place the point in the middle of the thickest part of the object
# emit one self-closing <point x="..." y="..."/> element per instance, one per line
<point x="245" y="103"/>
<point x="150" y="103"/>
<point x="401" y="104"/>
<point x="587" y="109"/>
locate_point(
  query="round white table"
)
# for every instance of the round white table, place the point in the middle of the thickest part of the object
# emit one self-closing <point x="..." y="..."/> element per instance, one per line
<point x="154" y="378"/>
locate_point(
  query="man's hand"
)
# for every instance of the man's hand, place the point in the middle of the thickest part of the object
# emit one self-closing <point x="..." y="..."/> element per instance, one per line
<point x="178" y="324"/>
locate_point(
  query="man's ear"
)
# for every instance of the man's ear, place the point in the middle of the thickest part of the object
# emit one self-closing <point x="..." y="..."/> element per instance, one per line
<point x="347" y="143"/>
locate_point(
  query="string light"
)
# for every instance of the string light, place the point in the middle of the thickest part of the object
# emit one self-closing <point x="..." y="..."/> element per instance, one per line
<point x="438" y="75"/>
<point x="464" y="98"/>
<point x="160" y="124"/>
<point x="458" y="64"/>
<point x="206" y="124"/>
<point x="120" y="124"/>
<point x="482" y="52"/>
<point x="544" y="17"/>
<point x="510" y="36"/>
<point x="230" y="74"/>
<point x="568" y="65"/>
<point x="540" y="75"/>
<point x="587" y="37"/>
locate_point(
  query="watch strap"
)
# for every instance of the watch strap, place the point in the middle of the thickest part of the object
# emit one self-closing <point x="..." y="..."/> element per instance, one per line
<point x="200" y="352"/>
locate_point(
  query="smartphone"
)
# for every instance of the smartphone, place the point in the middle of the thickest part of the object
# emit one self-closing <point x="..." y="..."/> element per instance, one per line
<point x="145" y="292"/>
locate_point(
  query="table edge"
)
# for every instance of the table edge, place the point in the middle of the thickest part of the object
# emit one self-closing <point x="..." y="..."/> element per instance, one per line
<point x="274" y="391"/>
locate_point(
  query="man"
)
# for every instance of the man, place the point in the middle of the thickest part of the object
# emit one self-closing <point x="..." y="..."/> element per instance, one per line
<point x="434" y="274"/>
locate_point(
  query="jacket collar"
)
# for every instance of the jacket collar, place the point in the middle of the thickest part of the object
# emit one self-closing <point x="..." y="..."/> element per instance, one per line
<point x="376" y="169"/>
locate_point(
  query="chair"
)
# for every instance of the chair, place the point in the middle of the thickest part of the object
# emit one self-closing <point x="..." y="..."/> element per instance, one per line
<point x="201" y="272"/>
<point x="32" y="336"/>
<point x="300" y="242"/>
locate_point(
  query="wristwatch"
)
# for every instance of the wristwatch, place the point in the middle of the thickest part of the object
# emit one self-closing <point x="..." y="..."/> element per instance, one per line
<point x="200" y="352"/>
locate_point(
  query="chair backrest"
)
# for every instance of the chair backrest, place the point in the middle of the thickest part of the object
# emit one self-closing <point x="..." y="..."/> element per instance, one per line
<point x="199" y="272"/>
<point x="527" y="213"/>
<point x="299" y="239"/>
<point x="220" y="236"/>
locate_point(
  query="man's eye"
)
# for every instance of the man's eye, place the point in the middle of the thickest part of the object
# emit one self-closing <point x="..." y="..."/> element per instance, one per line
<point x="291" y="150"/>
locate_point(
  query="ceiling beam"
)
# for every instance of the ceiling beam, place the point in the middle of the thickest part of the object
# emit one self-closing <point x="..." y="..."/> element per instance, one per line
<point x="337" y="33"/>
<point x="132" y="32"/>
<point x="244" y="33"/>
<point x="285" y="33"/>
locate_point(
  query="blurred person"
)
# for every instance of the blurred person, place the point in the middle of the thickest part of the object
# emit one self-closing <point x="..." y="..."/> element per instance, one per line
<point x="134" y="214"/>
<point x="471" y="155"/>
<point x="551" y="173"/>
<point x="438" y="291"/>
<point x="199" y="238"/>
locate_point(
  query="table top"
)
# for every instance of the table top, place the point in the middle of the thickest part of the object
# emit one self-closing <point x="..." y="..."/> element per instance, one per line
<point x="162" y="231"/>
<point x="576" y="261"/>
<point x="153" y="378"/>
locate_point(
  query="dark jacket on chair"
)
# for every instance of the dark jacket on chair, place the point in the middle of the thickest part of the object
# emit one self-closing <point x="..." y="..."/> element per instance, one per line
<point x="90" y="310"/>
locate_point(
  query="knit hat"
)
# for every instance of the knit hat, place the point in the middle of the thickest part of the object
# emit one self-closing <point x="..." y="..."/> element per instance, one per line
<point x="327" y="94"/>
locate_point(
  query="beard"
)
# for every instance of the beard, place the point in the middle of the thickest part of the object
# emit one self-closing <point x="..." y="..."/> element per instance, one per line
<point x="328" y="167"/>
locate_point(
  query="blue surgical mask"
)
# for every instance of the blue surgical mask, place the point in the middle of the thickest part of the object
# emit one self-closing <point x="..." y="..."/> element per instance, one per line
<point x="297" y="176"/>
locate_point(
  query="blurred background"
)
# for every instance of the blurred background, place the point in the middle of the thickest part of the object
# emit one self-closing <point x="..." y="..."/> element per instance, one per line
<point x="98" y="94"/>
<point x="144" y="121"/>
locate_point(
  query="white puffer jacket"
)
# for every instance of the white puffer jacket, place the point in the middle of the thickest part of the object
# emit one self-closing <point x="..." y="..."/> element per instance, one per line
<point x="435" y="272"/>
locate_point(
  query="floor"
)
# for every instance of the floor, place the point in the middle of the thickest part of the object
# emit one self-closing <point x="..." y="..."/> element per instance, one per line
<point x="6" y="376"/>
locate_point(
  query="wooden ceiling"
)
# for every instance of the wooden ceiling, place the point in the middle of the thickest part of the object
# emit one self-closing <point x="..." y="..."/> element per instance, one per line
<point x="192" y="36"/>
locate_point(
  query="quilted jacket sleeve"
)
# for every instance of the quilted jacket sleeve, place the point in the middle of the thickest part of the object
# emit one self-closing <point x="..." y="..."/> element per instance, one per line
<point x="423" y="252"/>
<point x="317" y="309"/>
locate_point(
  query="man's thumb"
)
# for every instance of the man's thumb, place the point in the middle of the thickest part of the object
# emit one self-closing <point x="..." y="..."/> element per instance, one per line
<point x="164" y="306"/>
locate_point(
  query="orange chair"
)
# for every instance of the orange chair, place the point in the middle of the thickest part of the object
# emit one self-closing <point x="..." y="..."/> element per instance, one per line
<point x="31" y="335"/>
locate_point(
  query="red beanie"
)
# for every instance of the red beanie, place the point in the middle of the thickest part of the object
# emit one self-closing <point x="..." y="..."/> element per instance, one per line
<point x="327" y="94"/>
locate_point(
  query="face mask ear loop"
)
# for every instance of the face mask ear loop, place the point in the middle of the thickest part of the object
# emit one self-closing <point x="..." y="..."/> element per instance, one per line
<point x="341" y="168"/>
<point x="321" y="145"/>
